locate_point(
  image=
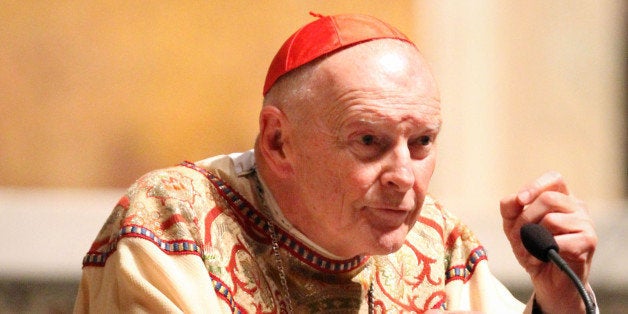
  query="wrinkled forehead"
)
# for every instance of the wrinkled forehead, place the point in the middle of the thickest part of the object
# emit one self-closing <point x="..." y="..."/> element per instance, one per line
<point x="382" y="112"/>
<point x="381" y="79"/>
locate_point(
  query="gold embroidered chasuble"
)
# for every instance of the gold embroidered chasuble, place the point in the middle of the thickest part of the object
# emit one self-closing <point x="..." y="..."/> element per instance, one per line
<point x="193" y="238"/>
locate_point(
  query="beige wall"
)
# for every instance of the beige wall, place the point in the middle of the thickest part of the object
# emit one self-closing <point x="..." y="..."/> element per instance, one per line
<point x="529" y="86"/>
<point x="94" y="94"/>
<point x="97" y="93"/>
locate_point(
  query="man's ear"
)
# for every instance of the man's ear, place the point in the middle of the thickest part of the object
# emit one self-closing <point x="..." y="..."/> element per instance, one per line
<point x="274" y="127"/>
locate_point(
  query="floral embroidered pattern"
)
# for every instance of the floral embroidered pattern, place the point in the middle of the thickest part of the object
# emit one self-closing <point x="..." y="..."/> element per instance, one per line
<point x="190" y="210"/>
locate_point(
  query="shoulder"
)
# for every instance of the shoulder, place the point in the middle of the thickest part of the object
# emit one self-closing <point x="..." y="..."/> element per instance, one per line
<point x="187" y="191"/>
<point x="168" y="187"/>
<point x="167" y="207"/>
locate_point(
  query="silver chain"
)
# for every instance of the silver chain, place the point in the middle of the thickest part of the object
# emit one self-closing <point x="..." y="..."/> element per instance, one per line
<point x="370" y="297"/>
<point x="274" y="237"/>
<point x="282" y="274"/>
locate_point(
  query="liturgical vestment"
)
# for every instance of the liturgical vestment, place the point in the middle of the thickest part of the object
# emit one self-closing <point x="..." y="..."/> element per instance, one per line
<point x="197" y="238"/>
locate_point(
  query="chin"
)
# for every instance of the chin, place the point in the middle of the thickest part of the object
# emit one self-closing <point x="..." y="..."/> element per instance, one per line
<point x="391" y="242"/>
<point x="385" y="249"/>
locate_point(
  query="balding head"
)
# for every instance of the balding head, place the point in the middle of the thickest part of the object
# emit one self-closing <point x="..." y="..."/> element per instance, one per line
<point x="298" y="92"/>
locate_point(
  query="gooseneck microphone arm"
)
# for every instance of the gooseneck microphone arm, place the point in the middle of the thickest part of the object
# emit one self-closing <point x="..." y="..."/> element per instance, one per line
<point x="541" y="244"/>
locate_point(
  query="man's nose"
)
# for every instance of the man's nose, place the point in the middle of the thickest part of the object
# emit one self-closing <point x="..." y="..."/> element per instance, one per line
<point x="398" y="173"/>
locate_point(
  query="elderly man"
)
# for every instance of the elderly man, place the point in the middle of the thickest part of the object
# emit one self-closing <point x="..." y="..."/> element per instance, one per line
<point x="330" y="212"/>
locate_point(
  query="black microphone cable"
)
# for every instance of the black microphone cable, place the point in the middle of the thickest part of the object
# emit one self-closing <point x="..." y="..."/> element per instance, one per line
<point x="541" y="244"/>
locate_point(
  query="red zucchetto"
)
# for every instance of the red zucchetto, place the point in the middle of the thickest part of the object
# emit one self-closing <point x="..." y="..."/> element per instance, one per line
<point x="325" y="35"/>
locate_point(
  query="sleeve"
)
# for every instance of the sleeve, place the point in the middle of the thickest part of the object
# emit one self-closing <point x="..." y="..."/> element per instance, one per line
<point x="148" y="256"/>
<point x="139" y="278"/>
<point x="482" y="292"/>
<point x="470" y="285"/>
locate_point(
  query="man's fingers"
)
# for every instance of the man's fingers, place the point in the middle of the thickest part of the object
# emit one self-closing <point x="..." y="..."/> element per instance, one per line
<point x="510" y="208"/>
<point x="577" y="247"/>
<point x="549" y="181"/>
<point x="562" y="223"/>
<point x="550" y="202"/>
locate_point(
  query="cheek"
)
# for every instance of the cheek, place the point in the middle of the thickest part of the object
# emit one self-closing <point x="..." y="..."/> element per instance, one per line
<point x="362" y="176"/>
<point x="342" y="181"/>
<point x="320" y="175"/>
<point x="423" y="173"/>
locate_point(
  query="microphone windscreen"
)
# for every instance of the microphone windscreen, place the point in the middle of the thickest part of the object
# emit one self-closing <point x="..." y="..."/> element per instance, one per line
<point x="538" y="240"/>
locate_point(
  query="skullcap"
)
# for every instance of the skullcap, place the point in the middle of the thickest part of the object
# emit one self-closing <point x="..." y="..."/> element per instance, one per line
<point x="326" y="35"/>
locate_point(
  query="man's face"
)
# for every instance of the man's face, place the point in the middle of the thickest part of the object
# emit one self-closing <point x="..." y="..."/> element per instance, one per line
<point x="364" y="157"/>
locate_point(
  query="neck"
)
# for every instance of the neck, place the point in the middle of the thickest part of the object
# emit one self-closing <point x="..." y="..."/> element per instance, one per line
<point x="285" y="196"/>
<point x="272" y="208"/>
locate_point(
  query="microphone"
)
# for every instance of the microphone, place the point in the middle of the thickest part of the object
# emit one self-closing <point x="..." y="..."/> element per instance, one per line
<point x="541" y="244"/>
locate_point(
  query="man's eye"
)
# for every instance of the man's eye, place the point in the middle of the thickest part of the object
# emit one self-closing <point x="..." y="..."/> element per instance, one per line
<point x="425" y="140"/>
<point x="368" y="139"/>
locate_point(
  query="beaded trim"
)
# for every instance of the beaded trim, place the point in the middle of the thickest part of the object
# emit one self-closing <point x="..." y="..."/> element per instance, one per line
<point x="259" y="221"/>
<point x="223" y="292"/>
<point x="464" y="272"/>
<point x="169" y="247"/>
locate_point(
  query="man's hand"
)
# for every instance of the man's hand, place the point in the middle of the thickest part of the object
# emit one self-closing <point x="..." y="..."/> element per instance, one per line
<point x="547" y="201"/>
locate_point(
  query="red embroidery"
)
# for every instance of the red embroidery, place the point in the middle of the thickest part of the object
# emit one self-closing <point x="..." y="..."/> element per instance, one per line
<point x="124" y="202"/>
<point x="453" y="236"/>
<point x="172" y="220"/>
<point x="432" y="224"/>
<point x="232" y="268"/>
<point x="209" y="220"/>
<point x="127" y="220"/>
<point x="409" y="302"/>
<point x="173" y="186"/>
<point x="435" y="301"/>
<point x="464" y="272"/>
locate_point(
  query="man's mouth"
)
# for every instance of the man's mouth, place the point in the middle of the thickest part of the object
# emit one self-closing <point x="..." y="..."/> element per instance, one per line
<point x="387" y="217"/>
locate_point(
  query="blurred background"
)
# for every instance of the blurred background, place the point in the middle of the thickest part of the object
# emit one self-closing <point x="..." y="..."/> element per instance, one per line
<point x="93" y="94"/>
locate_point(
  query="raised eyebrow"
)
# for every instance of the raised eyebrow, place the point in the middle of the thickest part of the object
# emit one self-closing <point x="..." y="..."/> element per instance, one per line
<point x="367" y="118"/>
<point x="426" y="125"/>
<point x="434" y="127"/>
<point x="431" y="127"/>
<point x="362" y="122"/>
